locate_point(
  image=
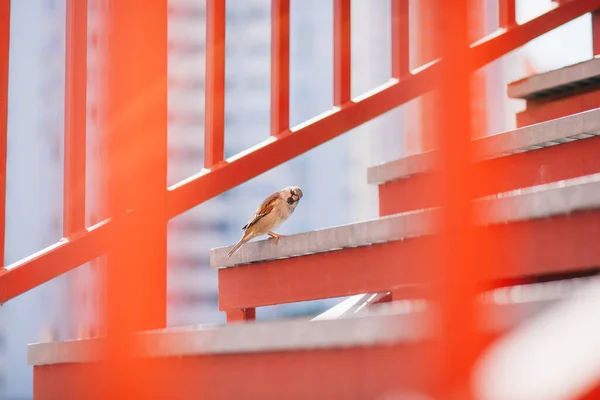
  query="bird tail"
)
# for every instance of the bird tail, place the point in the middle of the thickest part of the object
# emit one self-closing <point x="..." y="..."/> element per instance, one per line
<point x="237" y="246"/>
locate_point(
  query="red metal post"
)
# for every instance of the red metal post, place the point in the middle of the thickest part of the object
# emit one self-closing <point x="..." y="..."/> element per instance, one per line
<point x="400" y="38"/>
<point x="428" y="50"/>
<point x="507" y="13"/>
<point x="4" y="52"/>
<point x="214" y="104"/>
<point x="342" y="48"/>
<point x="457" y="270"/>
<point x="135" y="140"/>
<point x="241" y="315"/>
<point x="477" y="16"/>
<point x="75" y="117"/>
<point x="280" y="66"/>
<point x="596" y="32"/>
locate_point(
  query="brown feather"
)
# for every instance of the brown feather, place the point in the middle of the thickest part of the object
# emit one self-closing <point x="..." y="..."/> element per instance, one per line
<point x="265" y="208"/>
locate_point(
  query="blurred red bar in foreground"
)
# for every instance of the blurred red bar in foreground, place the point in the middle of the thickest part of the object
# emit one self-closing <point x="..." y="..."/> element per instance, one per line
<point x="135" y="165"/>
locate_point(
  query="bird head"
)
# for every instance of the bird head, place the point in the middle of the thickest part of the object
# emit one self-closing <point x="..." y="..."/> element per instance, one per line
<point x="292" y="195"/>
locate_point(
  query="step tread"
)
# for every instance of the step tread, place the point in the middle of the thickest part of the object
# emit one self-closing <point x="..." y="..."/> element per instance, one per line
<point x="550" y="82"/>
<point x="382" y="325"/>
<point x="300" y="334"/>
<point x="533" y="137"/>
<point x="518" y="205"/>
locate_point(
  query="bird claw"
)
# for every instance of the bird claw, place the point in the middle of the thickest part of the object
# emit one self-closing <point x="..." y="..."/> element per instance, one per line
<point x="275" y="237"/>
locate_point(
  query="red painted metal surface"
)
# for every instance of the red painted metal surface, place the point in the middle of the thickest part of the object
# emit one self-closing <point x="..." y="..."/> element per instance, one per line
<point x="424" y="189"/>
<point x="596" y="32"/>
<point x="4" y="55"/>
<point x="342" y="46"/>
<point x="345" y="373"/>
<point x="54" y="261"/>
<point x="214" y="105"/>
<point x="549" y="164"/>
<point x="400" y="38"/>
<point x="478" y="79"/>
<point x="134" y="137"/>
<point x="507" y="13"/>
<point x="308" y="278"/>
<point x="241" y="315"/>
<point x="573" y="103"/>
<point x="427" y="50"/>
<point x="75" y="117"/>
<point x="530" y="251"/>
<point x="280" y="66"/>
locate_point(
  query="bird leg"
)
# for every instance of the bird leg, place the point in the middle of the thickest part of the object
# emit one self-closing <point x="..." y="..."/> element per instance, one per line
<point x="275" y="236"/>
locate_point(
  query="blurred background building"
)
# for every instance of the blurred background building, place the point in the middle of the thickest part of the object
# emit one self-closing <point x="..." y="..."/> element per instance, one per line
<point x="332" y="176"/>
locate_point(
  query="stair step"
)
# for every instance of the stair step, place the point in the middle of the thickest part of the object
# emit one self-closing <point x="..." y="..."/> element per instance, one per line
<point x="541" y="201"/>
<point x="540" y="232"/>
<point x="528" y="139"/>
<point x="264" y="360"/>
<point x="543" y="153"/>
<point x="579" y="75"/>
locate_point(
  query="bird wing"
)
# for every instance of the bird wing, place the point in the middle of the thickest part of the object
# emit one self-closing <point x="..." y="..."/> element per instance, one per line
<point x="265" y="208"/>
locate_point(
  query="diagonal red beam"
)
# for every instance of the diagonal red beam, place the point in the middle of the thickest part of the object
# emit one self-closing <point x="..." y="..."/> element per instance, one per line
<point x="54" y="261"/>
<point x="4" y="52"/>
<point x="214" y="104"/>
<point x="275" y="151"/>
<point x="280" y="66"/>
<point x="75" y="117"/>
<point x="494" y="47"/>
<point x="342" y="50"/>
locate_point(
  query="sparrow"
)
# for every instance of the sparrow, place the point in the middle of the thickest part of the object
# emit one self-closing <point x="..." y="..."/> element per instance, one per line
<point x="272" y="212"/>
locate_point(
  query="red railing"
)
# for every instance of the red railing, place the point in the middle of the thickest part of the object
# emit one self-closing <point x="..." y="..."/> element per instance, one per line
<point x="135" y="144"/>
<point x="285" y="143"/>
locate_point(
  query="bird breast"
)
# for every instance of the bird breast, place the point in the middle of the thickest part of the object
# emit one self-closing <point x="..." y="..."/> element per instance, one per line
<point x="274" y="219"/>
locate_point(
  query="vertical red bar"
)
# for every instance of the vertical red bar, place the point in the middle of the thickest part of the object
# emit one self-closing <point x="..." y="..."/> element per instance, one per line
<point x="400" y="38"/>
<point x="4" y="51"/>
<point x="458" y="270"/>
<point x="342" y="48"/>
<point x="135" y="163"/>
<point x="507" y="12"/>
<point x="280" y="66"/>
<point x="596" y="32"/>
<point x="428" y="49"/>
<point x="214" y="129"/>
<point x="75" y="117"/>
<point x="477" y="17"/>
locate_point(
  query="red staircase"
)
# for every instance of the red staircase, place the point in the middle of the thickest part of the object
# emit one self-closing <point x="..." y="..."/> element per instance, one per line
<point x="479" y="241"/>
